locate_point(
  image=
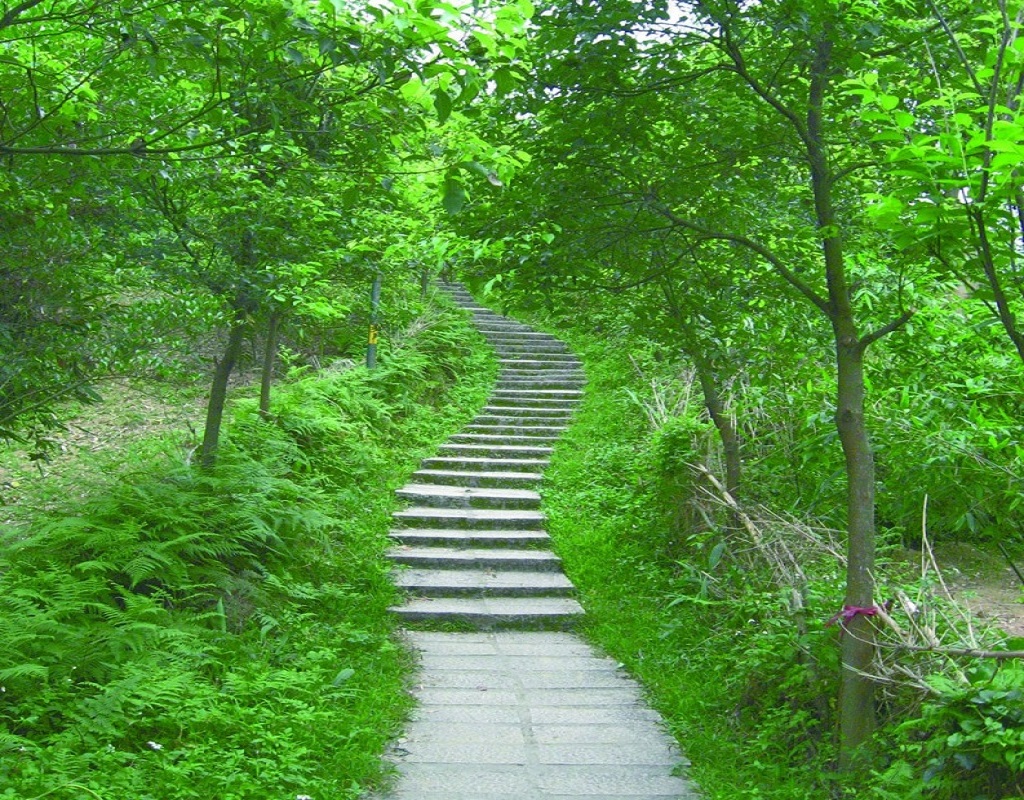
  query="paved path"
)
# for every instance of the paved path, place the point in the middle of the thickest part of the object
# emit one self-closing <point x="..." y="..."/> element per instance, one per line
<point x="505" y="712"/>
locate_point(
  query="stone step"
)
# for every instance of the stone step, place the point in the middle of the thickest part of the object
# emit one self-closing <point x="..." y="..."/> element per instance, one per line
<point x="568" y="375"/>
<point x="517" y="403"/>
<point x="532" y="396"/>
<point x="518" y="420"/>
<point x="494" y="450"/>
<point x="492" y="558"/>
<point x="523" y="366"/>
<point x="483" y="464"/>
<point x="501" y="328"/>
<point x="488" y="518"/>
<point x="443" y="496"/>
<point x="575" y="377"/>
<point x="497" y="323"/>
<point x="511" y="428"/>
<point x="514" y="439"/>
<point x="550" y="361"/>
<point x="517" y="340"/>
<point x="482" y="583"/>
<point x="490" y="613"/>
<point x="481" y="479"/>
<point x="496" y="327"/>
<point x="456" y="538"/>
<point x="533" y="412"/>
<point x="518" y="345"/>
<point x="553" y="346"/>
<point x="529" y="384"/>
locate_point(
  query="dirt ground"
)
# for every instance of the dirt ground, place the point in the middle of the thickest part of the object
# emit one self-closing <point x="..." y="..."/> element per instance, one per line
<point x="986" y="583"/>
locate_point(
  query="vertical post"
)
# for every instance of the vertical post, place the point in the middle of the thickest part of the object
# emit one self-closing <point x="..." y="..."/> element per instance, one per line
<point x="371" y="349"/>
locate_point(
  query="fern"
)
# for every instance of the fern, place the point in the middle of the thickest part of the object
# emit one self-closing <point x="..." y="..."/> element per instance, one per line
<point x="189" y="634"/>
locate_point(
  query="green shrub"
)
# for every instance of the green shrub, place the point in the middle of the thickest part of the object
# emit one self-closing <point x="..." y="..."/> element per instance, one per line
<point x="966" y="743"/>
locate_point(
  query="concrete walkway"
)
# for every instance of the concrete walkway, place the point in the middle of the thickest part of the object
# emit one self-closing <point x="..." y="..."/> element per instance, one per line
<point x="509" y="711"/>
<point x="530" y="715"/>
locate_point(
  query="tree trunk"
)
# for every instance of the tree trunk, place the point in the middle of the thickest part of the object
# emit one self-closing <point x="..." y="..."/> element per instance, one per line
<point x="857" y="690"/>
<point x="1006" y="316"/>
<point x="219" y="393"/>
<point x="269" y="360"/>
<point x="692" y="347"/>
<point x="723" y="424"/>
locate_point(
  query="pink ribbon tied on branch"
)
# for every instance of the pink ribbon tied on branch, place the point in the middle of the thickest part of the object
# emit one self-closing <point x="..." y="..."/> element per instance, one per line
<point x="849" y="612"/>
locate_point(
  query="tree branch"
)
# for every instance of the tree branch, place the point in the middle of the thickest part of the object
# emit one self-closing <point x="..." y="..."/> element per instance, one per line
<point x="870" y="338"/>
<point x="935" y="647"/>
<point x="134" y="150"/>
<point x="785" y="272"/>
<point x="11" y="17"/>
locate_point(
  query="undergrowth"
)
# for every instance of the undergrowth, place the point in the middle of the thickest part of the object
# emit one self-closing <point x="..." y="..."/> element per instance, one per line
<point x="730" y="637"/>
<point x="183" y="633"/>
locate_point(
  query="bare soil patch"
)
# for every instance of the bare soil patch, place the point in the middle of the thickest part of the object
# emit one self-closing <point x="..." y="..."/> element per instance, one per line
<point x="985" y="583"/>
<point x="92" y="439"/>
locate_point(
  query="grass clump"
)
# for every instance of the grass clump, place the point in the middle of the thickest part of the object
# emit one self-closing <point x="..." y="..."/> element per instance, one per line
<point x="189" y="633"/>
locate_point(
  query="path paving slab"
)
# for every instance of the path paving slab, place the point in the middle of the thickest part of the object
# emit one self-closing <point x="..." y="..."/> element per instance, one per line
<point x="468" y="496"/>
<point x="485" y="464"/>
<point x="478" y="479"/>
<point x="527" y="613"/>
<point x="470" y="538"/>
<point x="495" y="518"/>
<point x="494" y="450"/>
<point x="506" y="583"/>
<point x="483" y="729"/>
<point x="474" y="558"/>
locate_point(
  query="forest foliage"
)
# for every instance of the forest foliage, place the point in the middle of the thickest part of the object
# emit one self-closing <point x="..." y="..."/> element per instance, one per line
<point x="801" y="219"/>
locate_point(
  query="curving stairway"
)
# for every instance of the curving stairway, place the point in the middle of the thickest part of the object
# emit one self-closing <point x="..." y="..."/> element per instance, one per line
<point x="471" y="542"/>
<point x="528" y="714"/>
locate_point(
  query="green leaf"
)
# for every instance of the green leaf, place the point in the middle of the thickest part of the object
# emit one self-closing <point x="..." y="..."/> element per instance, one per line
<point x="454" y="196"/>
<point x="904" y="119"/>
<point x="481" y="170"/>
<point x="505" y="80"/>
<point x="1002" y="160"/>
<point x="442" y="105"/>
<point x="343" y="676"/>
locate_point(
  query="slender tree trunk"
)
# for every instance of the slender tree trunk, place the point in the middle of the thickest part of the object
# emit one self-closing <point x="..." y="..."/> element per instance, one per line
<point x="723" y="424"/>
<point x="219" y="393"/>
<point x="857" y="690"/>
<point x="704" y="366"/>
<point x="269" y="360"/>
<point x="1006" y="316"/>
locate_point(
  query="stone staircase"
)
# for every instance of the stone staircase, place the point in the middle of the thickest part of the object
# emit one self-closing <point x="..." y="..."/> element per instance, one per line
<point x="471" y="545"/>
